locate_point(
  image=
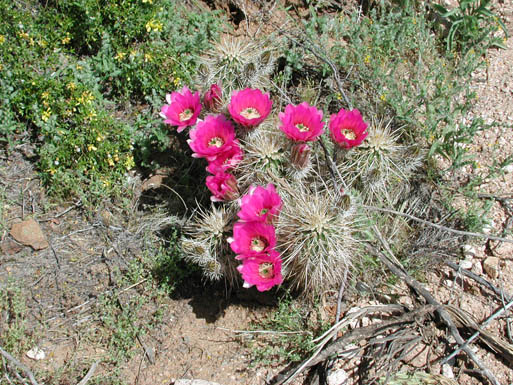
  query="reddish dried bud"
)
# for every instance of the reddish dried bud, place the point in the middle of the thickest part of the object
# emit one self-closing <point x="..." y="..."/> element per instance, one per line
<point x="300" y="155"/>
<point x="212" y="98"/>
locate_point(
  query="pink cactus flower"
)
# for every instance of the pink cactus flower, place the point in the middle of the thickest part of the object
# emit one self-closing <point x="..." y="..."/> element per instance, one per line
<point x="347" y="128"/>
<point x="183" y="108"/>
<point x="260" y="204"/>
<point x="262" y="270"/>
<point x="301" y="123"/>
<point x="251" y="238"/>
<point x="249" y="107"/>
<point x="226" y="160"/>
<point x="223" y="187"/>
<point x="212" y="137"/>
<point x="213" y="98"/>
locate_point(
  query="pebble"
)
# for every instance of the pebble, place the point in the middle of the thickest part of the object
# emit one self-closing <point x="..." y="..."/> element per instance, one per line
<point x="338" y="377"/>
<point x="491" y="266"/>
<point x="447" y="371"/>
<point x="466" y="264"/>
<point x="508" y="168"/>
<point x="36" y="354"/>
<point x="468" y="251"/>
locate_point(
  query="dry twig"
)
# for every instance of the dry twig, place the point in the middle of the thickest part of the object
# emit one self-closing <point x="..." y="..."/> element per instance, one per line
<point x="20" y="366"/>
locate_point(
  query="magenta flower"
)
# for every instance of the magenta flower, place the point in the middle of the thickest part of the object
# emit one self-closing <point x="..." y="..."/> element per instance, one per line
<point x="212" y="137"/>
<point x="213" y="98"/>
<point x="223" y="187"/>
<point x="301" y="123"/>
<point x="260" y="204"/>
<point x="347" y="128"/>
<point x="262" y="270"/>
<point x="183" y="108"/>
<point x="249" y="107"/>
<point x="226" y="160"/>
<point x="251" y="238"/>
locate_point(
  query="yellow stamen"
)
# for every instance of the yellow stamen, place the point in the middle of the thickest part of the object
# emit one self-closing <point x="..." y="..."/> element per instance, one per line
<point x="349" y="134"/>
<point x="250" y="113"/>
<point x="185" y="115"/>
<point x="302" y="128"/>
<point x="258" y="244"/>
<point x="215" y="142"/>
<point x="265" y="270"/>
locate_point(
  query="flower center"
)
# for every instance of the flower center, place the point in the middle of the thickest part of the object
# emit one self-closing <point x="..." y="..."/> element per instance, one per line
<point x="216" y="141"/>
<point x="266" y="270"/>
<point x="263" y="212"/>
<point x="349" y="134"/>
<point x="185" y="114"/>
<point x="302" y="128"/>
<point x="250" y="113"/>
<point x="258" y="244"/>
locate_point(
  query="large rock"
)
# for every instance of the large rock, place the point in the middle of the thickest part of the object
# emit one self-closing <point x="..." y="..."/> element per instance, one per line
<point x="29" y="233"/>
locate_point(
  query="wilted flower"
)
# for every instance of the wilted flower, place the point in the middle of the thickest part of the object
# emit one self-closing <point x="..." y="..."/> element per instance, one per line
<point x="347" y="128"/>
<point x="300" y="155"/>
<point x="226" y="160"/>
<point x="223" y="187"/>
<point x="260" y="204"/>
<point x="251" y="238"/>
<point x="262" y="270"/>
<point x="212" y="137"/>
<point x="249" y="107"/>
<point x="212" y="98"/>
<point x="183" y="108"/>
<point x="301" y="123"/>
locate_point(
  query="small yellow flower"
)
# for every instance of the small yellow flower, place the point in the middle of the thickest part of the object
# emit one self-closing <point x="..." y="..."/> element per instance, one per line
<point x="46" y="115"/>
<point x="110" y="162"/>
<point x="133" y="53"/>
<point x="366" y="60"/>
<point x="67" y="39"/>
<point x="91" y="147"/>
<point x="79" y="67"/>
<point x="45" y="95"/>
<point x="129" y="162"/>
<point x="148" y="1"/>
<point x="383" y="97"/>
<point x="71" y="86"/>
<point x="339" y="96"/>
<point x="24" y="35"/>
<point x="42" y="43"/>
<point x="120" y="56"/>
<point x="147" y="57"/>
<point x="2" y="39"/>
<point x="154" y="25"/>
<point x="86" y="98"/>
<point x="176" y="81"/>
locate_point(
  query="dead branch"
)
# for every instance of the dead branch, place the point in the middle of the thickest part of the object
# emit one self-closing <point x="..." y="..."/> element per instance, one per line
<point x="441" y="227"/>
<point x="337" y="347"/>
<point x="480" y="280"/>
<point x="440" y="310"/>
<point x="494" y="342"/>
<point x="20" y="366"/>
<point x="89" y="374"/>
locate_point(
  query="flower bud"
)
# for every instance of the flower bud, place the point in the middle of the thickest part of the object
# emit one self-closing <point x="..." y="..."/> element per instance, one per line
<point x="300" y="155"/>
<point x="212" y="98"/>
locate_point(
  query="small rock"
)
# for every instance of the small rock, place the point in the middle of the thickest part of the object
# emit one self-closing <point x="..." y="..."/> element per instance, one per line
<point x="487" y="228"/>
<point x="447" y="371"/>
<point x="508" y="168"/>
<point x="36" y="354"/>
<point x="29" y="233"/>
<point x="448" y="282"/>
<point x="491" y="266"/>
<point x="466" y="264"/>
<point x="194" y="382"/>
<point x="477" y="268"/>
<point x="337" y="377"/>
<point x="469" y="251"/>
<point x="153" y="182"/>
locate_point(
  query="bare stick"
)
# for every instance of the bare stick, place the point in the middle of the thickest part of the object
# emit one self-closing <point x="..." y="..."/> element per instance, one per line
<point x="441" y="227"/>
<point x="18" y="364"/>
<point x="479" y="279"/>
<point x="476" y="334"/>
<point x="340" y="296"/>
<point x="89" y="374"/>
<point x="444" y="315"/>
